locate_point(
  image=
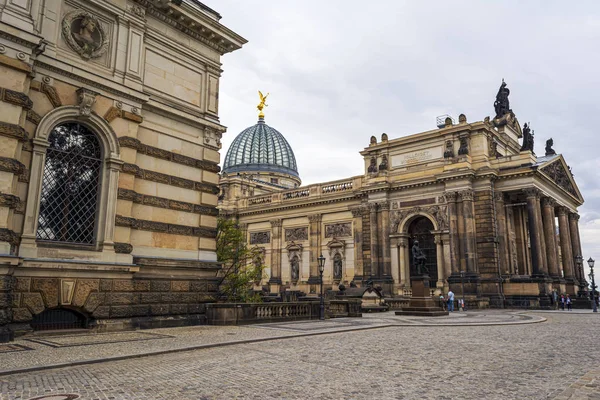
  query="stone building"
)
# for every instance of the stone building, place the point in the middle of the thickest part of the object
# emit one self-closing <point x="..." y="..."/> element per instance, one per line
<point x="109" y="153"/>
<point x="484" y="208"/>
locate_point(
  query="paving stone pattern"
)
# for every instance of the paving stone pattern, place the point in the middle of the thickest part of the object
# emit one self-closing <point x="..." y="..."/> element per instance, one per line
<point x="555" y="359"/>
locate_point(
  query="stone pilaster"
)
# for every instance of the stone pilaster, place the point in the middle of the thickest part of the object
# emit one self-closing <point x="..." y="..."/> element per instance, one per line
<point x="565" y="247"/>
<point x="403" y="260"/>
<point x="470" y="245"/>
<point x="386" y="262"/>
<point x="314" y="240"/>
<point x="375" y="264"/>
<point x="439" y="247"/>
<point x="540" y="230"/>
<point x="550" y="236"/>
<point x="357" y="214"/>
<point x="503" y="253"/>
<point x="275" y="252"/>
<point x="454" y="240"/>
<point x="535" y="232"/>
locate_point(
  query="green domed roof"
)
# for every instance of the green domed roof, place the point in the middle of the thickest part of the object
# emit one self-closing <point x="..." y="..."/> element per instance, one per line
<point x="260" y="148"/>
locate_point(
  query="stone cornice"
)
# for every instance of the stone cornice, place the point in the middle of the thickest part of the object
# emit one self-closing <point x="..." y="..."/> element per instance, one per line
<point x="169" y="179"/>
<point x="161" y="202"/>
<point x="126" y="141"/>
<point x="154" y="226"/>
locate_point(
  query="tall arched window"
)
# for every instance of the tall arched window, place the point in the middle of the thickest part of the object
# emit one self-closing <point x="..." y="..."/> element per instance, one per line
<point x="70" y="186"/>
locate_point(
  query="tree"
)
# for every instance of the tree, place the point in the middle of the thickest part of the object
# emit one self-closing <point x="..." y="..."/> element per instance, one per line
<point x="242" y="265"/>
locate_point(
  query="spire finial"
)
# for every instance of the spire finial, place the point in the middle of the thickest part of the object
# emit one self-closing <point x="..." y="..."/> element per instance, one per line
<point x="262" y="104"/>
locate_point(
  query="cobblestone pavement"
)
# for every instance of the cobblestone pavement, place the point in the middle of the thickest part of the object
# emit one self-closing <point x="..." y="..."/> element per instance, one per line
<point x="556" y="359"/>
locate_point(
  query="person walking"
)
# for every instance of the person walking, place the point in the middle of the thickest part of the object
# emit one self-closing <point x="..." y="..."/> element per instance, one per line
<point x="555" y="299"/>
<point x="450" y="301"/>
<point x="569" y="308"/>
<point x="562" y="302"/>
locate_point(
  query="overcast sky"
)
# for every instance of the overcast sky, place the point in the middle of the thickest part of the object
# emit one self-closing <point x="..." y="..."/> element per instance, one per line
<point x="341" y="71"/>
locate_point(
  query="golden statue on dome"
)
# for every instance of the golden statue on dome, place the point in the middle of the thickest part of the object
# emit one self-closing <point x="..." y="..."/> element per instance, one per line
<point x="262" y="104"/>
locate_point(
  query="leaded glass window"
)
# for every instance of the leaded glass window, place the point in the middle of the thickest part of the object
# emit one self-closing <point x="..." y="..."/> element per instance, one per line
<point x="70" y="186"/>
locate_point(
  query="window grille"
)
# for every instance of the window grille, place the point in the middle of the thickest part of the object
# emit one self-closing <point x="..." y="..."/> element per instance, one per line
<point x="70" y="186"/>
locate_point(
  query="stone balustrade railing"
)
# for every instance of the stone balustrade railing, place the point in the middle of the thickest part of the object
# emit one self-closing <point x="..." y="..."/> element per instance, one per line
<point x="312" y="191"/>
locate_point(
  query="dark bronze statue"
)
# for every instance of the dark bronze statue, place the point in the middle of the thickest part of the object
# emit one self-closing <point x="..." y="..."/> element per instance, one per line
<point x="527" y="138"/>
<point x="549" y="150"/>
<point x="501" y="105"/>
<point x="419" y="259"/>
<point x="373" y="165"/>
<point x="384" y="163"/>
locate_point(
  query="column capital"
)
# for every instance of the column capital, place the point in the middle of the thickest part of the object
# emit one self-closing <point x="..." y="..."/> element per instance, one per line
<point x="563" y="211"/>
<point x="403" y="242"/>
<point x="499" y="196"/>
<point x="385" y="206"/>
<point x="548" y="202"/>
<point x="372" y="207"/>
<point x="574" y="216"/>
<point x="532" y="192"/>
<point x="466" y="195"/>
<point x="450" y="197"/>
<point x="356" y="212"/>
<point x="276" y="223"/>
<point x="315" y="218"/>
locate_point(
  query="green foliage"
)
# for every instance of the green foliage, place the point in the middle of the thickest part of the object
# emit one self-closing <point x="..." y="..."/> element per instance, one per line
<point x="242" y="266"/>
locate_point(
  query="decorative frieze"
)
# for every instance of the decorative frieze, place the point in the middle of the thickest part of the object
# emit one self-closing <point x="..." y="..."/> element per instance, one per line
<point x="260" y="237"/>
<point x="169" y="180"/>
<point x="338" y="230"/>
<point x="127" y="141"/>
<point x="437" y="213"/>
<point x="154" y="226"/>
<point x="295" y="234"/>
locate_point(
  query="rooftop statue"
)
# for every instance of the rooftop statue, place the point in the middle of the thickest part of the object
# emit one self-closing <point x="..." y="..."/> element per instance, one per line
<point x="501" y="105"/>
<point x="262" y="104"/>
<point x="527" y="138"/>
<point x="549" y="150"/>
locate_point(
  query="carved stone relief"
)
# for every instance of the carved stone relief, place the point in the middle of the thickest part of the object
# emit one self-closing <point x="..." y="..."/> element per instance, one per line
<point x="338" y="230"/>
<point x="292" y="234"/>
<point x="260" y="237"/>
<point x="439" y="213"/>
<point x="558" y="174"/>
<point x="84" y="34"/>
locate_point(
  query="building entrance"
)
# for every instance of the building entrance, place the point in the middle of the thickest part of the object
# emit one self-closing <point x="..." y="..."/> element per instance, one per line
<point x="420" y="229"/>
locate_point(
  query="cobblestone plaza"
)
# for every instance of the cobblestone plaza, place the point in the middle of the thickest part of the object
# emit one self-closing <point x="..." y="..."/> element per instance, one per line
<point x="480" y="355"/>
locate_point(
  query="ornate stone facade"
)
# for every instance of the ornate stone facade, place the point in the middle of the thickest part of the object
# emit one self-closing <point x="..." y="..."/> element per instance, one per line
<point x="152" y="110"/>
<point x="485" y="214"/>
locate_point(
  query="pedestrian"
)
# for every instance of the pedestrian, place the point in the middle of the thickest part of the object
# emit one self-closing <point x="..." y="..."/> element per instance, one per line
<point x="461" y="303"/>
<point x="450" y="301"/>
<point x="442" y="302"/>
<point x="562" y="302"/>
<point x="555" y="299"/>
<point x="569" y="303"/>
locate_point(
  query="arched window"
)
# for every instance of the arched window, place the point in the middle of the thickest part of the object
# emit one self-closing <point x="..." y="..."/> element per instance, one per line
<point x="70" y="185"/>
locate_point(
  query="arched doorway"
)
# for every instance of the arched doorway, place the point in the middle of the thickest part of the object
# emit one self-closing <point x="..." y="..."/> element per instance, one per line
<point x="420" y="229"/>
<point x="58" y="318"/>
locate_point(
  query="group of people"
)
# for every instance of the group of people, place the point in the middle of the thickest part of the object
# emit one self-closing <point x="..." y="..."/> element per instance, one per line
<point x="564" y="300"/>
<point x="447" y="303"/>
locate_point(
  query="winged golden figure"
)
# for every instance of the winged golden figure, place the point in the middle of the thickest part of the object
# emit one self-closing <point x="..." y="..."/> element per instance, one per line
<point x="262" y="104"/>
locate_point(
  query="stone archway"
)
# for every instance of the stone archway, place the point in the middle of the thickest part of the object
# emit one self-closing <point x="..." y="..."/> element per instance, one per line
<point x="420" y="228"/>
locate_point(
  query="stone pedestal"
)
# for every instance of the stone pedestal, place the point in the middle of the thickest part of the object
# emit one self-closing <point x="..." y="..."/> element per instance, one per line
<point x="421" y="303"/>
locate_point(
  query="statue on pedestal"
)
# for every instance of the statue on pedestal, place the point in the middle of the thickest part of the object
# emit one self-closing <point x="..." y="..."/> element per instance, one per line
<point x="419" y="259"/>
<point x="502" y="105"/>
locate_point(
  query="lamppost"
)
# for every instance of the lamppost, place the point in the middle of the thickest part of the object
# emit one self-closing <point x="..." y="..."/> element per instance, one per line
<point x="321" y="269"/>
<point x="462" y="284"/>
<point x="591" y="264"/>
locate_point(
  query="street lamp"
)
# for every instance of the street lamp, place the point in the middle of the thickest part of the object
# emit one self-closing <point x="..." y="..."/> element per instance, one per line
<point x="462" y="283"/>
<point x="321" y="269"/>
<point x="591" y="264"/>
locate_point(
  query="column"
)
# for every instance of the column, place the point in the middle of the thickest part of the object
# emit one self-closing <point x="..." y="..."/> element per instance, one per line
<point x="439" y="252"/>
<point x="549" y="236"/>
<point x="403" y="259"/>
<point x="540" y="229"/>
<point x="275" y="252"/>
<point x="576" y="245"/>
<point x="565" y="244"/>
<point x="470" y="245"/>
<point x="503" y="256"/>
<point x="314" y="240"/>
<point x="535" y="233"/>
<point x="386" y="263"/>
<point x="375" y="270"/>
<point x="454" y="241"/>
<point x="357" y="214"/>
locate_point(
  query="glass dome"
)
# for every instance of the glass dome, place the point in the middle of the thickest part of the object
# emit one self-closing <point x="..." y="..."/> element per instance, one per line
<point x="260" y="148"/>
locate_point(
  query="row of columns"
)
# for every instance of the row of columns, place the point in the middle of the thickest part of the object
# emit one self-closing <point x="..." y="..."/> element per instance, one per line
<point x="546" y="251"/>
<point x="463" y="254"/>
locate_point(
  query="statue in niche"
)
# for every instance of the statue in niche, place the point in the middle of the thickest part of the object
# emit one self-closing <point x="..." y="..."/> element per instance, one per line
<point x="84" y="34"/>
<point x="337" y="266"/>
<point x="449" y="152"/>
<point x="295" y="268"/>
<point x="502" y="105"/>
<point x="373" y="165"/>
<point x="464" y="146"/>
<point x="527" y="138"/>
<point x="419" y="259"/>
<point x="384" y="163"/>
<point x="549" y="150"/>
